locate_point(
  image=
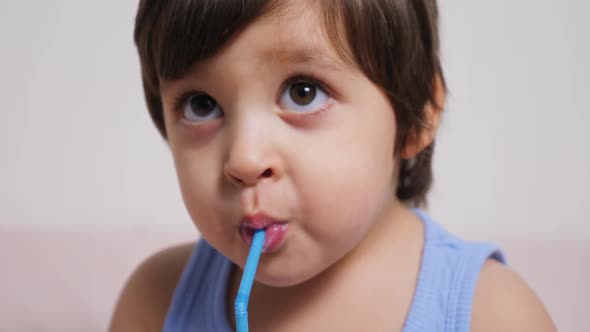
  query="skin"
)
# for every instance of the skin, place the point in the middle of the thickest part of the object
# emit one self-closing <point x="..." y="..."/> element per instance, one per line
<point x="328" y="169"/>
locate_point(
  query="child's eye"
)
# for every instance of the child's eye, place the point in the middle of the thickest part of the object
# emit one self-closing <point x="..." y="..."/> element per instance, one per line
<point x="200" y="108"/>
<point x="303" y="95"/>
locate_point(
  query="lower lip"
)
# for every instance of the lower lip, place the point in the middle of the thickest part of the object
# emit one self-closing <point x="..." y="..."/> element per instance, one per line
<point x="275" y="234"/>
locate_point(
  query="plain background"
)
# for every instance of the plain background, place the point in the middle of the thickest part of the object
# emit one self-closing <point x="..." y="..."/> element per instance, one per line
<point x="512" y="161"/>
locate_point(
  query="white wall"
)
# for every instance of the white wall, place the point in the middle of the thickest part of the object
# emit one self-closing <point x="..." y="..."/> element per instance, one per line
<point x="514" y="152"/>
<point x="513" y="159"/>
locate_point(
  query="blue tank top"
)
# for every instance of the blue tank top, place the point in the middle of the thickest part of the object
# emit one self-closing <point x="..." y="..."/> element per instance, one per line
<point x="442" y="300"/>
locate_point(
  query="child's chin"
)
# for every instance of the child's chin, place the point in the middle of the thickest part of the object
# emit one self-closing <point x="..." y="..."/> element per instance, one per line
<point x="283" y="277"/>
<point x="277" y="281"/>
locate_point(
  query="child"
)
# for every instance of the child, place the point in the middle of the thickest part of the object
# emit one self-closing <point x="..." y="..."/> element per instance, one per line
<point x="314" y="120"/>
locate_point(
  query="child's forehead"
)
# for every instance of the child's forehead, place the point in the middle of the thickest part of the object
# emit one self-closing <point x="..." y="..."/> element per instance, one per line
<point x="279" y="40"/>
<point x="294" y="38"/>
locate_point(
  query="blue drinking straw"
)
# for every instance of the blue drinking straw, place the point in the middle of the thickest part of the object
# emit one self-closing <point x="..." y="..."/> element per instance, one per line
<point x="241" y="303"/>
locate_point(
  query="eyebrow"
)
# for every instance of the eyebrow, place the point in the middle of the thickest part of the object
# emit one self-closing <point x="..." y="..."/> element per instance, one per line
<point x="304" y="56"/>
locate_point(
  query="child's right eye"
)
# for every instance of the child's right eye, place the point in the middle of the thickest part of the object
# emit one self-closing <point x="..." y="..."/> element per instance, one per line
<point x="200" y="107"/>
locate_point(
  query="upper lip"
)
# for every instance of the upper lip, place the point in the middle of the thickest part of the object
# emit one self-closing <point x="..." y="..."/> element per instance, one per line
<point x="259" y="221"/>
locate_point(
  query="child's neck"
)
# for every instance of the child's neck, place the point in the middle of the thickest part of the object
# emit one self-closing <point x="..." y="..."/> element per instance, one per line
<point x="379" y="276"/>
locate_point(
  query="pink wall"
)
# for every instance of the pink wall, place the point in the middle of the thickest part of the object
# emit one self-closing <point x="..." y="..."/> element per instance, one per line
<point x="68" y="279"/>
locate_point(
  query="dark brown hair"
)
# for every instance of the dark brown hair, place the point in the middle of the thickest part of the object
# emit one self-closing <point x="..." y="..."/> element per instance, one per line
<point x="396" y="45"/>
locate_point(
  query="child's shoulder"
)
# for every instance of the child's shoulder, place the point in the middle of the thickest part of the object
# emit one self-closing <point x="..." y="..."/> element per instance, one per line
<point x="504" y="302"/>
<point x="480" y="291"/>
<point x="144" y="301"/>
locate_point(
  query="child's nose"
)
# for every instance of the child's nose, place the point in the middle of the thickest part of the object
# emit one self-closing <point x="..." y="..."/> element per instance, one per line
<point x="251" y="158"/>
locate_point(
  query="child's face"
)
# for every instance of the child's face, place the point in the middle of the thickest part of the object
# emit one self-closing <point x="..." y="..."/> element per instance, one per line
<point x="319" y="158"/>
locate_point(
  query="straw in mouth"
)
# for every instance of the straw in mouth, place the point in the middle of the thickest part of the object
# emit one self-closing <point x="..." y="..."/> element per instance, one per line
<point x="241" y="302"/>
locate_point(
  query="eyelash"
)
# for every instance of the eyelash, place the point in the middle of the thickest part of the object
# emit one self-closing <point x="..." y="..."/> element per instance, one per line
<point x="309" y="78"/>
<point x="180" y="100"/>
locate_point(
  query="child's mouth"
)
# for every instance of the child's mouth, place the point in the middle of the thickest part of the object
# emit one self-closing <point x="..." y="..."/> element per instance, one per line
<point x="275" y="231"/>
<point x="275" y="234"/>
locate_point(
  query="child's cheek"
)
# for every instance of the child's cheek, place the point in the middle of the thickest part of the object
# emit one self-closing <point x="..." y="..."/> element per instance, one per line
<point x="198" y="174"/>
<point x="350" y="184"/>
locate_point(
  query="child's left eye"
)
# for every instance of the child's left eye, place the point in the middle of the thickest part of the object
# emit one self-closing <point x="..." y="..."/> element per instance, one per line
<point x="303" y="96"/>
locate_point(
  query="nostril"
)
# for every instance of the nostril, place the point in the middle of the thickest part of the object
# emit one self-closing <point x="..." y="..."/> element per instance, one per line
<point x="267" y="173"/>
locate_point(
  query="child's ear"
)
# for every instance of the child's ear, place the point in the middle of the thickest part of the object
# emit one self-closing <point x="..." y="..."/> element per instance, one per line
<point x="418" y="141"/>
